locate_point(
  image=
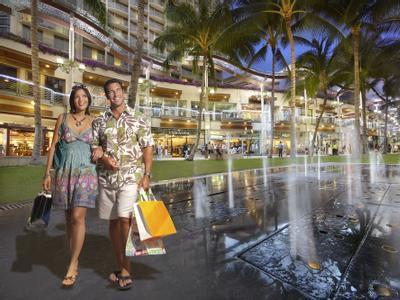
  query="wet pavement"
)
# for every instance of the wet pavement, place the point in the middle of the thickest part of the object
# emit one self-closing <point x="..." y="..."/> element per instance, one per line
<point x="288" y="233"/>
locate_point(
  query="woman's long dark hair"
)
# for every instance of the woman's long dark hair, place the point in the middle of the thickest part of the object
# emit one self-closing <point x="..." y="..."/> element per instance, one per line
<point x="76" y="88"/>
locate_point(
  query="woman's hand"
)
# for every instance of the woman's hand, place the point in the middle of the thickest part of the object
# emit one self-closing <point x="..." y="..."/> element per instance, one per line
<point x="47" y="183"/>
<point x="97" y="153"/>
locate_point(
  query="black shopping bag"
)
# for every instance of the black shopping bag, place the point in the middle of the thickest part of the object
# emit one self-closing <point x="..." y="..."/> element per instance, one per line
<point x="40" y="213"/>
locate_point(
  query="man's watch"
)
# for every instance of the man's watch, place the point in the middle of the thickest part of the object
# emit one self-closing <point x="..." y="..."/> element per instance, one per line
<point x="147" y="174"/>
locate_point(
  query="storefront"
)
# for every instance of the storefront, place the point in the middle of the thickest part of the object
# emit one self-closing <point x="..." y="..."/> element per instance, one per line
<point x="170" y="142"/>
<point x="18" y="140"/>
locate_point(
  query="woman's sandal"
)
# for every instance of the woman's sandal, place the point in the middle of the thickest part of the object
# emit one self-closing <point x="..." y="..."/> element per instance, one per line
<point x="72" y="280"/>
<point x="128" y="285"/>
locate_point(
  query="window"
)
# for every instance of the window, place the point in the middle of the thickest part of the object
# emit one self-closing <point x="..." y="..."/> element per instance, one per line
<point x="100" y="55"/>
<point x="87" y="52"/>
<point x="110" y="59"/>
<point x="57" y="85"/>
<point x="5" y="83"/>
<point x="60" y="43"/>
<point x="4" y="22"/>
<point x="26" y="33"/>
<point x="7" y="70"/>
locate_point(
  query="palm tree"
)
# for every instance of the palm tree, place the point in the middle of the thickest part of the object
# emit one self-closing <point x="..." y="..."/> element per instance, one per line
<point x="137" y="60"/>
<point x="293" y="15"/>
<point x="270" y="37"/>
<point x="352" y="17"/>
<point x="384" y="77"/>
<point x="264" y="34"/>
<point x="378" y="55"/>
<point x="318" y="68"/>
<point x="289" y="11"/>
<point x="97" y="7"/>
<point x="37" y="145"/>
<point x="199" y="31"/>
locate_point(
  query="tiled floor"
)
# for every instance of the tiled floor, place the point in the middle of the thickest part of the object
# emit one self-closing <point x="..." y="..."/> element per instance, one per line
<point x="288" y="235"/>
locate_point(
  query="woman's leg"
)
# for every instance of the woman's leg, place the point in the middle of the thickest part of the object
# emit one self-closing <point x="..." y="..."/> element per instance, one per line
<point x="77" y="237"/>
<point x="68" y="214"/>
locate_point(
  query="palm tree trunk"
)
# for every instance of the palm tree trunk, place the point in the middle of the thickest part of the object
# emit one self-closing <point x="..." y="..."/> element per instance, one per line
<point x="356" y="53"/>
<point x="136" y="63"/>
<point x="385" y="141"/>
<point x="272" y="104"/>
<point x="319" y="121"/>
<point x="37" y="145"/>
<point x="203" y="100"/>
<point x="365" y="128"/>
<point x="293" y="92"/>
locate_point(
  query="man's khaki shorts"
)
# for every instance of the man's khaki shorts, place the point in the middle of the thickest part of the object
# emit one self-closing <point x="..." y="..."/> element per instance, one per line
<point x="116" y="203"/>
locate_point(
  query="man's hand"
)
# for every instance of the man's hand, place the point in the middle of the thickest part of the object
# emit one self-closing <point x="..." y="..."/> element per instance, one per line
<point x="97" y="153"/>
<point x="110" y="163"/>
<point x="145" y="183"/>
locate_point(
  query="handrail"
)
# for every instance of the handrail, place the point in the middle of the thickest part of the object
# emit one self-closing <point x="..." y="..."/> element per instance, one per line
<point x="22" y="87"/>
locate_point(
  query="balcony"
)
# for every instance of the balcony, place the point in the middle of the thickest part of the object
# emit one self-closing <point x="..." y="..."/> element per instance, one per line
<point x="24" y="89"/>
<point x="118" y="7"/>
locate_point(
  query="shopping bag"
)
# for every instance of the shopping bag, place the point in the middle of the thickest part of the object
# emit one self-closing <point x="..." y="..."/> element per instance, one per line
<point x="40" y="214"/>
<point x="152" y="217"/>
<point x="135" y="247"/>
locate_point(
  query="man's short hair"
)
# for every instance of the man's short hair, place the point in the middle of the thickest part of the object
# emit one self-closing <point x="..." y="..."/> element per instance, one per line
<point x="110" y="81"/>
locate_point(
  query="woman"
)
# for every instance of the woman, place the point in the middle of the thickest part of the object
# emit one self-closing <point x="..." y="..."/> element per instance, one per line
<point x="75" y="179"/>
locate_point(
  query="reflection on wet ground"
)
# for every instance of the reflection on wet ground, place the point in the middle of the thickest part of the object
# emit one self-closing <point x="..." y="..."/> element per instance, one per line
<point x="288" y="236"/>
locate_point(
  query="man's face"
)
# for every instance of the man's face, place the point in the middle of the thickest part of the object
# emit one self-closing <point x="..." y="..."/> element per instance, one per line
<point x="115" y="94"/>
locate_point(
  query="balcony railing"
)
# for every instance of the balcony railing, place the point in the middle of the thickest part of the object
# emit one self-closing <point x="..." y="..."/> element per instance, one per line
<point x="118" y="6"/>
<point x="21" y="88"/>
<point x="17" y="87"/>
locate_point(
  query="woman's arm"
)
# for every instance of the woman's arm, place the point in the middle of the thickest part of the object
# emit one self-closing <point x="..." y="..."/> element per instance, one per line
<point x="46" y="178"/>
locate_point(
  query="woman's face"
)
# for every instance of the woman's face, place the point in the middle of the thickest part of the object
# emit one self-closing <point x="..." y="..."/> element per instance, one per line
<point x="81" y="100"/>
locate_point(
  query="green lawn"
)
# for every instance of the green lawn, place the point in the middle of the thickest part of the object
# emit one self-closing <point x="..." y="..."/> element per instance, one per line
<point x="24" y="182"/>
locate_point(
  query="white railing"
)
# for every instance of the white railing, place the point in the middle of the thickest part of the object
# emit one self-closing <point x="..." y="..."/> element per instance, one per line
<point x="117" y="6"/>
<point x="18" y="87"/>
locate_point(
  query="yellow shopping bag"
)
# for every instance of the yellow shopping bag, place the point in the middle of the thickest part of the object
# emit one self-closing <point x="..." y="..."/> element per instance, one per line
<point x="152" y="217"/>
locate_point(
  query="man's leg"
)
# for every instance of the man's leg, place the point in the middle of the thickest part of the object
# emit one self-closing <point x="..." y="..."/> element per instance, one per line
<point x="115" y="237"/>
<point x="126" y="197"/>
<point x="108" y="211"/>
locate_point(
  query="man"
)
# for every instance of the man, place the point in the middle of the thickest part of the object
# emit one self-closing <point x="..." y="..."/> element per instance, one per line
<point x="280" y="149"/>
<point x="125" y="136"/>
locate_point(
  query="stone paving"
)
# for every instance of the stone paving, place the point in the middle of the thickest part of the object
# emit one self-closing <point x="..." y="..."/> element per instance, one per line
<point x="289" y="234"/>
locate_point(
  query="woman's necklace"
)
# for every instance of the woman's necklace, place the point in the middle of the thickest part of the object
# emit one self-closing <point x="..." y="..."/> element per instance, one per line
<point x="78" y="123"/>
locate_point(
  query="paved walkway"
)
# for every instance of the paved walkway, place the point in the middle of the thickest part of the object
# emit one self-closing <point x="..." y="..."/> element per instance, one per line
<point x="285" y="234"/>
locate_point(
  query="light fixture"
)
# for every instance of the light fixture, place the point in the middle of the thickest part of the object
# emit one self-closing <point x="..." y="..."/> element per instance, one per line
<point x="170" y="120"/>
<point x="47" y="66"/>
<point x="90" y="77"/>
<point x="33" y="102"/>
<point x="6" y="80"/>
<point x="60" y="60"/>
<point x="81" y="67"/>
<point x="212" y="91"/>
<point x="141" y="80"/>
<point x="188" y="121"/>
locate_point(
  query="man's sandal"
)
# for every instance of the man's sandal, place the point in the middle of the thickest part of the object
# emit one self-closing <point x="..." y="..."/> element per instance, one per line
<point x="128" y="285"/>
<point x="113" y="277"/>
